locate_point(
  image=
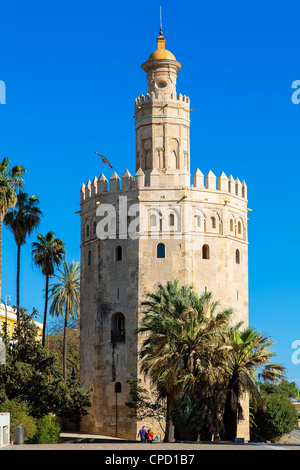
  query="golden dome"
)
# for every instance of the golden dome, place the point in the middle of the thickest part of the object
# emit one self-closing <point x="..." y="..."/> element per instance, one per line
<point x="161" y="52"/>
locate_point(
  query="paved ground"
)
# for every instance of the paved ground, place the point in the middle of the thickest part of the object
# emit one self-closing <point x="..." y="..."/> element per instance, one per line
<point x="84" y="442"/>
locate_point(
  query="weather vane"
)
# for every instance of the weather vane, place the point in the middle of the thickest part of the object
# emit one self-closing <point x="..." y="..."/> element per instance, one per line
<point x="160" y="31"/>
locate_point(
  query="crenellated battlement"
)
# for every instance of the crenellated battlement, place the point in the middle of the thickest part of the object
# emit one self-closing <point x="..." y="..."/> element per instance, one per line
<point x="159" y="96"/>
<point x="157" y="180"/>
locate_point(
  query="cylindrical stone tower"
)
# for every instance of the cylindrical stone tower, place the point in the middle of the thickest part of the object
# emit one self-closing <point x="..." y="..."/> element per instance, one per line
<point x="196" y="233"/>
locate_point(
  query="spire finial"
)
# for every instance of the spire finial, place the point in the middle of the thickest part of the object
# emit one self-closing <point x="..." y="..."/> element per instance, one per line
<point x="160" y="30"/>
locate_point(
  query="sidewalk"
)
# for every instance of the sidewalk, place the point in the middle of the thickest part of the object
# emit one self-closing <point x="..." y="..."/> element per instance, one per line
<point x="80" y="441"/>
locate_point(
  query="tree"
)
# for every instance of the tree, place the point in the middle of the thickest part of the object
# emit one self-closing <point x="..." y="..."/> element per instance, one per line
<point x="183" y="330"/>
<point x="145" y="404"/>
<point x="22" y="220"/>
<point x="65" y="298"/>
<point x="249" y="354"/>
<point x="289" y="389"/>
<point x="10" y="179"/>
<point x="277" y="418"/>
<point x="19" y="413"/>
<point x="32" y="375"/>
<point x="56" y="345"/>
<point x="47" y="253"/>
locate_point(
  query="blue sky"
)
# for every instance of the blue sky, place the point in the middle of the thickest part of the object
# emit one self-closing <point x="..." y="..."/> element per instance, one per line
<point x="72" y="70"/>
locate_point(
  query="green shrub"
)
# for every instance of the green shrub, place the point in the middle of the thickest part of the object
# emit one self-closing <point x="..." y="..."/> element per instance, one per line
<point x="19" y="414"/>
<point x="48" y="430"/>
<point x="278" y="419"/>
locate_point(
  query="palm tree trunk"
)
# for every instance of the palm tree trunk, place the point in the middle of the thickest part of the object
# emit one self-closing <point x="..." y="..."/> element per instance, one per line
<point x="170" y="428"/>
<point x="230" y="412"/>
<point x="18" y="282"/>
<point x="45" y="311"/>
<point x="65" y="343"/>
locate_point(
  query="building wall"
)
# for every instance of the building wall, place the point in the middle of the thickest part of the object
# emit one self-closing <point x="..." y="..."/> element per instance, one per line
<point x="111" y="286"/>
<point x="9" y="316"/>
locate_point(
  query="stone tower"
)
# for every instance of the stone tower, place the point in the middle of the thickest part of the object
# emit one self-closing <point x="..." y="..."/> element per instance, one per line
<point x="154" y="227"/>
<point x="162" y="121"/>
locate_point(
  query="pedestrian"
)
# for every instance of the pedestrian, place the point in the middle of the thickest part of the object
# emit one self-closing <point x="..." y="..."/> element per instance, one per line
<point x="149" y="436"/>
<point x="142" y="434"/>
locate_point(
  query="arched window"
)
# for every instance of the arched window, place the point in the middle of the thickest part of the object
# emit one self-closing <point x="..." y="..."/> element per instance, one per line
<point x="171" y="220"/>
<point x="89" y="258"/>
<point x="205" y="252"/>
<point x="87" y="230"/>
<point x="239" y="227"/>
<point x="153" y="220"/>
<point x="237" y="256"/>
<point x="94" y="228"/>
<point x="231" y="225"/>
<point x="197" y="220"/>
<point x="161" y="250"/>
<point x="174" y="160"/>
<point x="213" y="222"/>
<point x="118" y="328"/>
<point x="118" y="253"/>
<point x="142" y="162"/>
<point x="148" y="160"/>
<point x="118" y="387"/>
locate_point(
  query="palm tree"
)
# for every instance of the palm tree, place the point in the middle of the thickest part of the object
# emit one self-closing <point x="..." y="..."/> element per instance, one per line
<point x="65" y="297"/>
<point x="182" y="333"/>
<point x="22" y="220"/>
<point x="47" y="253"/>
<point x="10" y="179"/>
<point x="249" y="355"/>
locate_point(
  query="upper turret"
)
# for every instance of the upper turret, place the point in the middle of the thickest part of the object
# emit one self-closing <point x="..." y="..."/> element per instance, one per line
<point x="161" y="68"/>
<point x="162" y="120"/>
